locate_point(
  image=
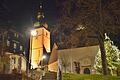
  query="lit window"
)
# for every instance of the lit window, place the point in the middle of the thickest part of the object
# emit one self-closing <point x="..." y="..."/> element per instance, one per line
<point x="24" y="52"/>
<point x="8" y="43"/>
<point x="21" y="47"/>
<point x="15" y="34"/>
<point x="14" y="60"/>
<point x="15" y="45"/>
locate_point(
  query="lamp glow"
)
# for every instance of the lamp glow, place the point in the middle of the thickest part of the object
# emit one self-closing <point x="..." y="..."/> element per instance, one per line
<point x="44" y="57"/>
<point x="33" y="32"/>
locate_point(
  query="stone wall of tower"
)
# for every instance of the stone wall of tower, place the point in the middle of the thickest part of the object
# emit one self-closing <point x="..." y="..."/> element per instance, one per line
<point x="42" y="39"/>
<point x="46" y="40"/>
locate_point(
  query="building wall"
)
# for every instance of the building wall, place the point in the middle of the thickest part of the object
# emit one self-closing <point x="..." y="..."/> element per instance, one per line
<point x="11" y="43"/>
<point x="83" y="57"/>
<point x="53" y="66"/>
<point x="37" y="43"/>
<point x="11" y="62"/>
<point x="46" y="40"/>
<point x="17" y="62"/>
<point x="53" y="60"/>
<point x="17" y="42"/>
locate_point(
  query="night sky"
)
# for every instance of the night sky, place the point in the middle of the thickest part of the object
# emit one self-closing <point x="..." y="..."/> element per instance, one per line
<point x="21" y="13"/>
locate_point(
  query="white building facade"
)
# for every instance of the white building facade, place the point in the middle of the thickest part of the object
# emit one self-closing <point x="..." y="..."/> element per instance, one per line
<point x="78" y="60"/>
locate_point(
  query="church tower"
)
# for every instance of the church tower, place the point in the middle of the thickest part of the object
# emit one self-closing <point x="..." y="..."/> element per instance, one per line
<point x="39" y="40"/>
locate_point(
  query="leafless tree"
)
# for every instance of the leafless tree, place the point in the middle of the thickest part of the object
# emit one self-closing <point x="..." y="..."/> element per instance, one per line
<point x="97" y="16"/>
<point x="65" y="61"/>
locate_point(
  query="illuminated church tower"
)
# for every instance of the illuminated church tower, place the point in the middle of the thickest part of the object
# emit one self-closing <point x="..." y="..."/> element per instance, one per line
<point x="39" y="40"/>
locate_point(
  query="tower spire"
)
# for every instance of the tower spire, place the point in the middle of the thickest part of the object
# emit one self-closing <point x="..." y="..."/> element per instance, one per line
<point x="40" y="14"/>
<point x="40" y="18"/>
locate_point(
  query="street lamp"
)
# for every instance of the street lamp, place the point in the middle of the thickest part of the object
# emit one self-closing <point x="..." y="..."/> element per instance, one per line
<point x="44" y="57"/>
<point x="42" y="61"/>
<point x="43" y="67"/>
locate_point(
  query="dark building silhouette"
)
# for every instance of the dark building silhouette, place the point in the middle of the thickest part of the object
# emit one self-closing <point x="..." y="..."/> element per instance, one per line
<point x="12" y="51"/>
<point x="12" y="41"/>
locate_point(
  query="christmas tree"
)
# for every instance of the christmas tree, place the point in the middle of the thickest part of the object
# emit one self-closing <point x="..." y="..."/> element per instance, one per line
<point x="112" y="55"/>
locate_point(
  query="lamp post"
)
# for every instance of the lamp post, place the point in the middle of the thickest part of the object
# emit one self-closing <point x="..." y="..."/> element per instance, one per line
<point x="42" y="65"/>
<point x="43" y="58"/>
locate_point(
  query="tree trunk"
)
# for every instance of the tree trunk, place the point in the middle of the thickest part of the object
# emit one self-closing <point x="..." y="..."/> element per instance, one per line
<point x="118" y="71"/>
<point x="103" y="56"/>
<point x="65" y="69"/>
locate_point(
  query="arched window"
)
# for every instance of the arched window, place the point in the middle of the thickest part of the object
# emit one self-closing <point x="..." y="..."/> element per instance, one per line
<point x="86" y="71"/>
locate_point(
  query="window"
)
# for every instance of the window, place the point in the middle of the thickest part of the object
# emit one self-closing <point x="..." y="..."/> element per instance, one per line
<point x="24" y="52"/>
<point x="15" y="45"/>
<point x="21" y="47"/>
<point x="8" y="43"/>
<point x="15" y="34"/>
<point x="14" y="60"/>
